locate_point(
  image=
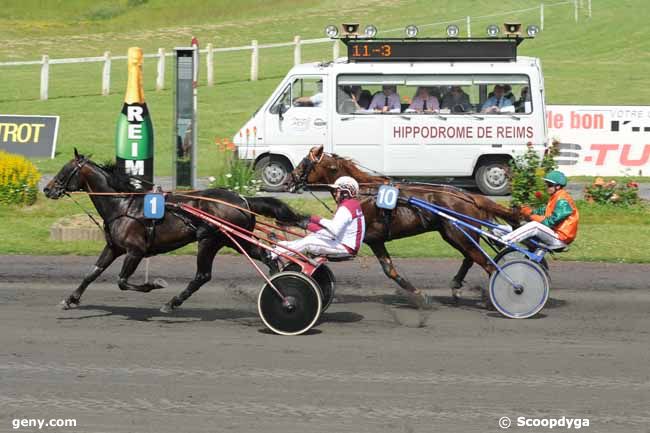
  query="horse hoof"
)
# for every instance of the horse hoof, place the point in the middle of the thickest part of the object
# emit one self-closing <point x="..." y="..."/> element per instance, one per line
<point x="159" y="283"/>
<point x="64" y="305"/>
<point x="167" y="308"/>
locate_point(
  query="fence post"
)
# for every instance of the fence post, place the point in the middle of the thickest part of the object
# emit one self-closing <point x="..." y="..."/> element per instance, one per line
<point x="575" y="10"/>
<point x="296" y="51"/>
<point x="469" y="27"/>
<point x="335" y="49"/>
<point x="45" y="76"/>
<point x="160" y="70"/>
<point x="106" y="74"/>
<point x="210" y="65"/>
<point x="541" y="16"/>
<point x="589" y="8"/>
<point x="255" y="57"/>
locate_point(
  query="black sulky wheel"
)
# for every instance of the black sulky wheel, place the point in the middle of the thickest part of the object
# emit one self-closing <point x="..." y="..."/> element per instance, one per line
<point x="324" y="276"/>
<point x="527" y="296"/>
<point x="300" y="309"/>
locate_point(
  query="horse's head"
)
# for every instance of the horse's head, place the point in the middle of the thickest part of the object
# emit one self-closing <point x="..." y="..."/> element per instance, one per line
<point x="68" y="179"/>
<point x="317" y="167"/>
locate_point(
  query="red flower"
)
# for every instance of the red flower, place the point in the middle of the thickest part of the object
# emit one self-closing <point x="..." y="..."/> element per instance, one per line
<point x="538" y="194"/>
<point x="632" y="185"/>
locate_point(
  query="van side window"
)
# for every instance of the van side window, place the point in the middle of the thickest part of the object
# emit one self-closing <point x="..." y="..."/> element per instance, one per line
<point x="427" y="94"/>
<point x="307" y="92"/>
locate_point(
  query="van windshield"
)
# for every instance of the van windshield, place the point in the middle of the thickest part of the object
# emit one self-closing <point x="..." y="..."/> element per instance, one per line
<point x="426" y="94"/>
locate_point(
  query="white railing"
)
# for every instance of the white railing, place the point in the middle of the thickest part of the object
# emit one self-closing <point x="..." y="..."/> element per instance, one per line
<point x="254" y="47"/>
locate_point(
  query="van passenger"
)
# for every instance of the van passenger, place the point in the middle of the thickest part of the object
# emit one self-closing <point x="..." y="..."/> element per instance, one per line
<point x="496" y="102"/>
<point x="456" y="100"/>
<point x="423" y="101"/>
<point x="386" y="101"/>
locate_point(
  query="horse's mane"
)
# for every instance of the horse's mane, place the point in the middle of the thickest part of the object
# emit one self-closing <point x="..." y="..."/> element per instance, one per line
<point x="119" y="181"/>
<point x="354" y="170"/>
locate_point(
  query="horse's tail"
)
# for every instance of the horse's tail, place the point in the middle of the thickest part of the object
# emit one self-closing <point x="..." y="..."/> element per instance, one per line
<point x="492" y="209"/>
<point x="273" y="208"/>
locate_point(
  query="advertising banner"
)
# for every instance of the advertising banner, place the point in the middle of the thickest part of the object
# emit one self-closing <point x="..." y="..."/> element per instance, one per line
<point x="601" y="140"/>
<point x="31" y="136"/>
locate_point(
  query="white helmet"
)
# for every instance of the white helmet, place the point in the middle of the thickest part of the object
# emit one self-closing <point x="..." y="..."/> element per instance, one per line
<point x="346" y="183"/>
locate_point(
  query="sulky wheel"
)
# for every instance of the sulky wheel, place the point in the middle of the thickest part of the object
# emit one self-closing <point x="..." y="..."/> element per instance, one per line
<point x="528" y="294"/>
<point x="299" y="310"/>
<point x="324" y="276"/>
<point x="509" y="254"/>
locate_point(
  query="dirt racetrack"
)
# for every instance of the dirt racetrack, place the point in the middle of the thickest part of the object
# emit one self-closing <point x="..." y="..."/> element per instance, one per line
<point x="116" y="364"/>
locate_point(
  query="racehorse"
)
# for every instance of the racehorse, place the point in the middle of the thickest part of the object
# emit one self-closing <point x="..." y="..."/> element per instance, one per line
<point x="319" y="167"/>
<point x="128" y="232"/>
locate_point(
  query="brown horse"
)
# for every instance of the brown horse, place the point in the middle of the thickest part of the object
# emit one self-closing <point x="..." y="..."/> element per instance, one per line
<point x="320" y="167"/>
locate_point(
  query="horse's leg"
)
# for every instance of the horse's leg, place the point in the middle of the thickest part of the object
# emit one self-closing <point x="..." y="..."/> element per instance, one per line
<point x="208" y="248"/>
<point x="105" y="259"/>
<point x="457" y="282"/>
<point x="131" y="262"/>
<point x="414" y="295"/>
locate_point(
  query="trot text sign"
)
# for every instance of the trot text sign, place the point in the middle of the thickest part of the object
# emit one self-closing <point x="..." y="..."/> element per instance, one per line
<point x="600" y="140"/>
<point x="29" y="135"/>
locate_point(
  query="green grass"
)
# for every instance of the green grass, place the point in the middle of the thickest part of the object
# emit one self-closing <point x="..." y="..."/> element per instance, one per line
<point x="599" y="60"/>
<point x="607" y="234"/>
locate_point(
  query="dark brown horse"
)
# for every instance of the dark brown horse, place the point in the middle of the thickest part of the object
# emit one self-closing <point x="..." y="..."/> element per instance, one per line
<point x="320" y="167"/>
<point x="128" y="233"/>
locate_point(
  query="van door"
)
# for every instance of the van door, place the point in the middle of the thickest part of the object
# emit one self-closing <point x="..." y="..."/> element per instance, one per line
<point x="298" y="119"/>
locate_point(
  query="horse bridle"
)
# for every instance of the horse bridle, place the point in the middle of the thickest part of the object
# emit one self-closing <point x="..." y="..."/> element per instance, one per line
<point x="63" y="186"/>
<point x="308" y="164"/>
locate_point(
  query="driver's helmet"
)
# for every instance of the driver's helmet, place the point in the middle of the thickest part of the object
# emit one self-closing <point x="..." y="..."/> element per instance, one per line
<point x="555" y="177"/>
<point x="347" y="184"/>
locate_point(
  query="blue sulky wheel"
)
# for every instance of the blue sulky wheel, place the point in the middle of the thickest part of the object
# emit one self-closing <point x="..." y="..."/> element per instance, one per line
<point x="527" y="296"/>
<point x="324" y="277"/>
<point x="300" y="309"/>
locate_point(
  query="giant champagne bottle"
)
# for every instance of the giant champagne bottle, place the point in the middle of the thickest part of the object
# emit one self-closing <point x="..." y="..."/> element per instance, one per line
<point x="134" y="134"/>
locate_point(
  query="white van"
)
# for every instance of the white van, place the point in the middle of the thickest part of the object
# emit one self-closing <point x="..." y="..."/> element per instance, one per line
<point x="349" y="107"/>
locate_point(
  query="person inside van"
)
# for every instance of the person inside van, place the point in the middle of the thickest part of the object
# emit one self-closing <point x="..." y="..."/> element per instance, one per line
<point x="364" y="99"/>
<point x="315" y="100"/>
<point x="387" y="101"/>
<point x="497" y="102"/>
<point x="520" y="104"/>
<point x="456" y="100"/>
<point x="347" y="97"/>
<point x="555" y="224"/>
<point x="423" y="102"/>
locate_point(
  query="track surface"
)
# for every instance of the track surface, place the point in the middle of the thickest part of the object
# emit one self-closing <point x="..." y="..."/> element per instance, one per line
<point x="118" y="365"/>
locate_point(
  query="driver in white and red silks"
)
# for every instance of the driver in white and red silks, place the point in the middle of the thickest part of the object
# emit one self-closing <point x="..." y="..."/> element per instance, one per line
<point x="342" y="235"/>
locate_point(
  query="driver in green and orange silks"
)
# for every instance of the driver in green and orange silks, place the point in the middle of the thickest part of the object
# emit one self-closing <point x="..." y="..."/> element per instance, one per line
<point x="555" y="224"/>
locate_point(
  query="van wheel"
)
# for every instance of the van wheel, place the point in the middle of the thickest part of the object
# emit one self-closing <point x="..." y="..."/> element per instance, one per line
<point x="273" y="172"/>
<point x="492" y="177"/>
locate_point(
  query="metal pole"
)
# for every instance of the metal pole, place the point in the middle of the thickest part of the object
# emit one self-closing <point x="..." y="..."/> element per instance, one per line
<point x="45" y="76"/>
<point x="469" y="27"/>
<point x="541" y="16"/>
<point x="160" y="76"/>
<point x="335" y="50"/>
<point x="575" y="10"/>
<point x="589" y="8"/>
<point x="254" y="60"/>
<point x="106" y="74"/>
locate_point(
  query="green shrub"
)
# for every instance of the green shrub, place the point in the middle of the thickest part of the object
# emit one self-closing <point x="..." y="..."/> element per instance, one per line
<point x="18" y="180"/>
<point x="233" y="173"/>
<point x="612" y="192"/>
<point x="526" y="175"/>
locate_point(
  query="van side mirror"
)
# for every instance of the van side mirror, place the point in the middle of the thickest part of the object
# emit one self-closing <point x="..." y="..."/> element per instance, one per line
<point x="281" y="110"/>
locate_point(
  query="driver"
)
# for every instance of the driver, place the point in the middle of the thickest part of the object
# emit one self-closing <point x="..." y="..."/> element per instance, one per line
<point x="340" y="236"/>
<point x="555" y="224"/>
